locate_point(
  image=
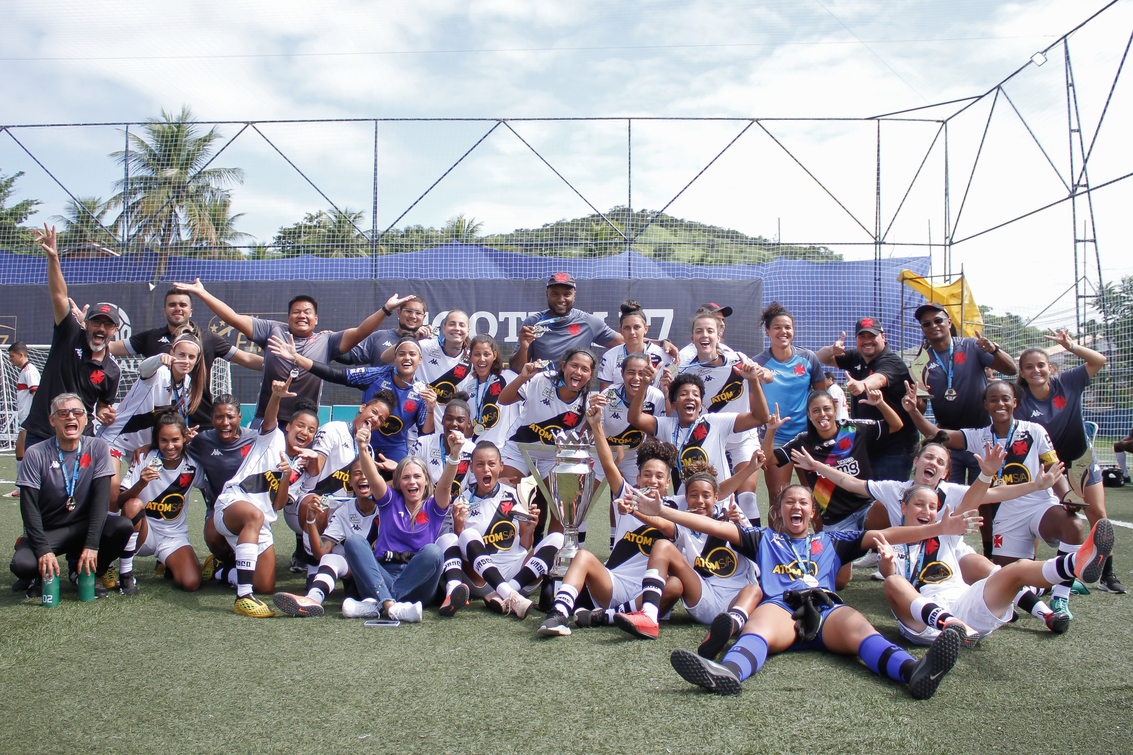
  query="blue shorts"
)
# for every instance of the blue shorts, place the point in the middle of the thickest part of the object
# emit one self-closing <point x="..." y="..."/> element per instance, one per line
<point x="816" y="643"/>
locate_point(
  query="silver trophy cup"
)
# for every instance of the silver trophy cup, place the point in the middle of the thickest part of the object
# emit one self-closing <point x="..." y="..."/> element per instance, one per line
<point x="571" y="484"/>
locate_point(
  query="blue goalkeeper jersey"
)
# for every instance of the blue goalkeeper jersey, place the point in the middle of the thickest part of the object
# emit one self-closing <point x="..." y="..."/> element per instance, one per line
<point x="784" y="561"/>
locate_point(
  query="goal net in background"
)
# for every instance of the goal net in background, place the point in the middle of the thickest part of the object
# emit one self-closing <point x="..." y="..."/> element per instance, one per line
<point x="9" y="417"/>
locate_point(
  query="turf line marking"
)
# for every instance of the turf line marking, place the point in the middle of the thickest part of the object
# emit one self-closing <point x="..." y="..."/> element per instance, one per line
<point x="1127" y="525"/>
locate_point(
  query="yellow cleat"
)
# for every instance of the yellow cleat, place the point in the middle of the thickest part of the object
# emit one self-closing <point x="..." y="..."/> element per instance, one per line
<point x="209" y="567"/>
<point x="110" y="579"/>
<point x="159" y="570"/>
<point x="254" y="607"/>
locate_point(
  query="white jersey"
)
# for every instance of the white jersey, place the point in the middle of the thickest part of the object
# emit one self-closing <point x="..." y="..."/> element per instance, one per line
<point x="890" y="492"/>
<point x="442" y="372"/>
<point x="335" y="442"/>
<point x="620" y="433"/>
<point x="132" y="427"/>
<point x="725" y="390"/>
<point x="490" y="420"/>
<point x="634" y="539"/>
<point x="704" y="440"/>
<point x="542" y="411"/>
<point x="491" y="517"/>
<point x="26" y="384"/>
<point x="933" y="567"/>
<point x="841" y="407"/>
<point x="345" y="521"/>
<point x="714" y="559"/>
<point x="1029" y="450"/>
<point x="257" y="480"/>
<point x="610" y="368"/>
<point x="165" y="497"/>
<point x="431" y="449"/>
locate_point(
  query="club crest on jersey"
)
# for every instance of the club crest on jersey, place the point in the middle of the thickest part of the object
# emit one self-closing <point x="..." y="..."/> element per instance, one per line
<point x="933" y="574"/>
<point x="501" y="536"/>
<point x="168" y="508"/>
<point x="720" y="562"/>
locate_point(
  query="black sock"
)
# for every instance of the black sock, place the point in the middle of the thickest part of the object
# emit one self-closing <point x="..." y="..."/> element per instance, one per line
<point x="482" y="563"/>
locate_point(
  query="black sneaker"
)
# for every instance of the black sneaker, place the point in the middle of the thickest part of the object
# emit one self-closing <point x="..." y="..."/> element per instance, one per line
<point x="584" y="618"/>
<point x="555" y="625"/>
<point x="1111" y="584"/>
<point x="22" y="585"/>
<point x="35" y="590"/>
<point x="720" y="631"/>
<point x="937" y="662"/>
<point x="705" y="673"/>
<point x="100" y="591"/>
<point x="298" y="565"/>
<point x="128" y="585"/>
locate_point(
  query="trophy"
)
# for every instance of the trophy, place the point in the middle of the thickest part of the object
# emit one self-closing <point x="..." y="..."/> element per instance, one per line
<point x="571" y="483"/>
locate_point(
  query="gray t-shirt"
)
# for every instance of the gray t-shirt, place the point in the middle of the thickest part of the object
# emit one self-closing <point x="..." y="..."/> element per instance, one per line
<point x="43" y="471"/>
<point x="370" y="351"/>
<point x="220" y="461"/>
<point x="318" y="347"/>
<point x="578" y="328"/>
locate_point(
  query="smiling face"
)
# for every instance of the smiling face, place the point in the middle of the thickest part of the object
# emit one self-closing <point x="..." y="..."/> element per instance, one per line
<point x="560" y="299"/>
<point x="1034" y="367"/>
<point x="796" y="507"/>
<point x="301" y="319"/>
<point x="934" y="331"/>
<point x="688" y="403"/>
<point x="820" y="411"/>
<point x="700" y="497"/>
<point x="782" y="331"/>
<point x="920" y="508"/>
<point x="931" y="466"/>
<point x="100" y="332"/>
<point x="482" y="357"/>
<point x="633" y="330"/>
<point x="577" y="372"/>
<point x="653" y="474"/>
<point x="455" y="329"/>
<point x="69" y="420"/>
<point x="870" y="345"/>
<point x="406" y="360"/>
<point x="301" y="430"/>
<point x="185" y="355"/>
<point x="170" y="441"/>
<point x="705" y="337"/>
<point x="411" y="315"/>
<point x="226" y="422"/>
<point x="456" y="418"/>
<point x="411" y="483"/>
<point x="178" y="310"/>
<point x="999" y="400"/>
<point x="371" y="415"/>
<point x="633" y="376"/>
<point x="358" y="482"/>
<point x="485" y="469"/>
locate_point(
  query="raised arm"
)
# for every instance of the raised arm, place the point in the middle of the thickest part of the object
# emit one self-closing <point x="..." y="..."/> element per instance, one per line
<point x="828" y="354"/>
<point x="246" y="359"/>
<point x="774" y="422"/>
<point x="758" y="413"/>
<point x="733" y="483"/>
<point x="56" y="285"/>
<point x="369" y="468"/>
<point x="1001" y="360"/>
<point x="519" y="359"/>
<point x="803" y="460"/>
<point x="351" y="337"/>
<point x="602" y="447"/>
<point x="989" y="463"/>
<point x="242" y="323"/>
<point x="637" y="417"/>
<point x="442" y="492"/>
<point x="953" y="523"/>
<point x="271" y="411"/>
<point x="510" y="394"/>
<point x="874" y="398"/>
<point x="1094" y="360"/>
<point x="926" y="428"/>
<point x="650" y="505"/>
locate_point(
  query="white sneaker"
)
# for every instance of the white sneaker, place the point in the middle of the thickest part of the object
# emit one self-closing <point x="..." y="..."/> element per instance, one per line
<point x="877" y="576"/>
<point x="868" y="561"/>
<point x="407" y="612"/>
<point x="360" y="609"/>
<point x="516" y="604"/>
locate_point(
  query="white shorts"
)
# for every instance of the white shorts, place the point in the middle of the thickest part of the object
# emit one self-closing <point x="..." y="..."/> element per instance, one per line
<point x="1016" y="527"/>
<point x="512" y="456"/>
<point x="162" y="546"/>
<point x="741" y="446"/>
<point x="969" y="608"/>
<point x="266" y="538"/>
<point x="714" y="600"/>
<point x="626" y="585"/>
<point x="291" y="513"/>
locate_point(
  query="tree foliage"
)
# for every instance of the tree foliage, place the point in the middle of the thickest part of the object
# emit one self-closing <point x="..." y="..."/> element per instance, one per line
<point x="325" y="234"/>
<point x="12" y="217"/>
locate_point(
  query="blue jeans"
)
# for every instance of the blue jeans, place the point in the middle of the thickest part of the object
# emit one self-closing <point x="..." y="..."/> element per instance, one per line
<point x="855" y="521"/>
<point x="895" y="466"/>
<point x="404" y="583"/>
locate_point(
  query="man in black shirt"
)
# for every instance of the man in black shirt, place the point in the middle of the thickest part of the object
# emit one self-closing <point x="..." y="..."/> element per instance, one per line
<point x="79" y="361"/>
<point x="64" y="495"/>
<point x="178" y="311"/>
<point x="873" y="365"/>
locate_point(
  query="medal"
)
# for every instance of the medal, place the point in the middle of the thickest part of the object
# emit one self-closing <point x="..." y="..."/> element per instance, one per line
<point x="71" y="503"/>
<point x="294" y="372"/>
<point x="155" y="462"/>
<point x="479" y="428"/>
<point x="810" y="581"/>
<point x="612" y="395"/>
<point x="69" y="482"/>
<point x="950" y="394"/>
<point x="540" y="330"/>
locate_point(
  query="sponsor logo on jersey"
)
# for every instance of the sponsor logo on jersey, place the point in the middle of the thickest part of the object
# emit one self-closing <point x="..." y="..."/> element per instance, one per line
<point x="1036" y="413"/>
<point x="392" y="426"/>
<point x="794" y="571"/>
<point x="216" y="452"/>
<point x="720" y="562"/>
<point x="732" y="390"/>
<point x="631" y="437"/>
<point x="168" y="508"/>
<point x="643" y="539"/>
<point x="502" y="535"/>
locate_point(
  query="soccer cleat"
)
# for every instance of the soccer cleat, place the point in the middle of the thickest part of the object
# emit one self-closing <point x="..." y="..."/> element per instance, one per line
<point x="455" y="600"/>
<point x="298" y="565"/>
<point x="299" y="606"/>
<point x="1058" y="623"/>
<point x="1091" y="555"/>
<point x="110" y="579"/>
<point x="35" y="590"/>
<point x="877" y="576"/>
<point x="704" y="673"/>
<point x="1061" y="605"/>
<point x="209" y="567"/>
<point x="494" y="603"/>
<point x="555" y="625"/>
<point x="720" y="631"/>
<point x="1079" y="589"/>
<point x="159" y="569"/>
<point x="1111" y="584"/>
<point x="22" y="585"/>
<point x="410" y="613"/>
<point x="254" y="607"/>
<point x="938" y="661"/>
<point x="516" y="604"/>
<point x="584" y="618"/>
<point x="637" y="624"/>
<point x="968" y="636"/>
<point x="360" y="609"/>
<point x="127" y="584"/>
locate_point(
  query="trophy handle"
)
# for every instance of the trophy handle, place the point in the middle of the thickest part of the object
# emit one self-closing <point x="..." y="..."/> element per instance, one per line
<point x="543" y="485"/>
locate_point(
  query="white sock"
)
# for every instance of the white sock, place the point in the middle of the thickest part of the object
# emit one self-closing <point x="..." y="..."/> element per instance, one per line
<point x="749" y="506"/>
<point x="1121" y="463"/>
<point x="246" y="556"/>
<point x="316" y="594"/>
<point x="504" y="590"/>
<point x="452" y="585"/>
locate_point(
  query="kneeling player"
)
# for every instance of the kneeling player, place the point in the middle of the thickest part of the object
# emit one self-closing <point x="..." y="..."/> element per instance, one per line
<point x="153" y="498"/>
<point x="486" y="545"/>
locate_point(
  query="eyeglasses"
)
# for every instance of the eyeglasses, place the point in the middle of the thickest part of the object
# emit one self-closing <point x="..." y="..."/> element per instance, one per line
<point x="934" y="321"/>
<point x="65" y="413"/>
<point x="413" y="312"/>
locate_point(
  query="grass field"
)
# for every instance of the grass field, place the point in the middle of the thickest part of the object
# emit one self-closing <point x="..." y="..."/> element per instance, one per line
<point x="167" y="671"/>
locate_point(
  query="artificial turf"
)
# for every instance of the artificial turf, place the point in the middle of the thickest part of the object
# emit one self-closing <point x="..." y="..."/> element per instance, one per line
<point x="167" y="671"/>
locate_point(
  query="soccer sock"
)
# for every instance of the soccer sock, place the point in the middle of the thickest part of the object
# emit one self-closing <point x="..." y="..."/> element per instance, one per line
<point x="746" y="656"/>
<point x="651" y="588"/>
<point x="748" y="505"/>
<point x="323" y="584"/>
<point x="20" y="466"/>
<point x="126" y="560"/>
<point x="613" y="534"/>
<point x="564" y="600"/>
<point x="452" y="572"/>
<point x="884" y="658"/>
<point x="1029" y="601"/>
<point x="739" y="617"/>
<point x="482" y="564"/>
<point x="988" y="546"/>
<point x="246" y="554"/>
<point x="1107" y="567"/>
<point x="1059" y="569"/>
<point x="928" y="612"/>
<point x="1121" y="463"/>
<point x="539" y="564"/>
<point x="1062" y="589"/>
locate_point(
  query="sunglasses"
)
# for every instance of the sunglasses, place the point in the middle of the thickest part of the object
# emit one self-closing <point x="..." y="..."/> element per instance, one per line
<point x="65" y="413"/>
<point x="934" y="321"/>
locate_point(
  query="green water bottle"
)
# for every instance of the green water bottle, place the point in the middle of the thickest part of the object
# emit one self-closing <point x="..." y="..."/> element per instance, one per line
<point x="86" y="586"/>
<point x="51" y="592"/>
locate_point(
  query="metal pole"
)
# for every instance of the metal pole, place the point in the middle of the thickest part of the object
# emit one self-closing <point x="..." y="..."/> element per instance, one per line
<point x="374" y="214"/>
<point x="126" y="196"/>
<point x="629" y="190"/>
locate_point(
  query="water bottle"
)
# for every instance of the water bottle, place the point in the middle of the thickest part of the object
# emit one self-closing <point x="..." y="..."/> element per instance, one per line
<point x="51" y="592"/>
<point x="86" y="586"/>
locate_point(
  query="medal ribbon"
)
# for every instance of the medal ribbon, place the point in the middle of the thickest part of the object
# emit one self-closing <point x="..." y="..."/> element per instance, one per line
<point x="951" y="361"/>
<point x="679" y="443"/>
<point x="804" y="563"/>
<point x="69" y="482"/>
<point x="1006" y="443"/>
<point x="911" y="573"/>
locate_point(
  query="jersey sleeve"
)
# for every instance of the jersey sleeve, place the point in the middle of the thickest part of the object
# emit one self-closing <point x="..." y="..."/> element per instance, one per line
<point x="201" y="479"/>
<point x="607" y="368"/>
<point x="133" y="474"/>
<point x="604" y="333"/>
<point x="363" y="376"/>
<point x="221" y="348"/>
<point x="750" y="538"/>
<point x="1044" y="448"/>
<point x="33" y="377"/>
<point x="725" y="422"/>
<point x="1076" y="379"/>
<point x="783" y="452"/>
<point x="338" y="528"/>
<point x="135" y="344"/>
<point x="847" y="545"/>
<point x="814" y="367"/>
<point x="35" y="460"/>
<point x="261" y="330"/>
<point x="972" y="437"/>
<point x="100" y="459"/>
<point x="334" y="343"/>
<point x="848" y="360"/>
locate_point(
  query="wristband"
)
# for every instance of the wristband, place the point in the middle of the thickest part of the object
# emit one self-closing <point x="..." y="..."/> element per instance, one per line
<point x="996" y="350"/>
<point x="388" y="312"/>
<point x="450" y="460"/>
<point x="985" y="478"/>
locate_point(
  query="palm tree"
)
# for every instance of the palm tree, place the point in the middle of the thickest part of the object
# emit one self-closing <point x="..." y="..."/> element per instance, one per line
<point x="169" y="187"/>
<point x="84" y="223"/>
<point x="212" y="229"/>
<point x="461" y="229"/>
<point x="325" y="233"/>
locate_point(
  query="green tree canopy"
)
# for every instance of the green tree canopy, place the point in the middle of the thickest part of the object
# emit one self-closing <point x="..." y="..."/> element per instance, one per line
<point x="12" y="217"/>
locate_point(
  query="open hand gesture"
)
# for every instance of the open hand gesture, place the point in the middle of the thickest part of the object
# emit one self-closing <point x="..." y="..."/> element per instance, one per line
<point x="774" y="422"/>
<point x="1062" y="338"/>
<point x="47" y="239"/>
<point x="803" y="460"/>
<point x="961" y="523"/>
<point x="992" y="460"/>
<point x="196" y="287"/>
<point x="285" y="349"/>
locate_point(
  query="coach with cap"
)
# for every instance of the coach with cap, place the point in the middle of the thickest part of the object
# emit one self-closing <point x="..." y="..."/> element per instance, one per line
<point x="64" y="495"/>
<point x="548" y="334"/>
<point x="874" y="366"/>
<point x="956" y="380"/>
<point x="79" y="361"/>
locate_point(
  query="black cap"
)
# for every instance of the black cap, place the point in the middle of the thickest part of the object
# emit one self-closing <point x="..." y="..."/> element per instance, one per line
<point x="930" y="307"/>
<point x="717" y="309"/>
<point x="105" y="309"/>
<point x="561" y="279"/>
<point x="869" y="325"/>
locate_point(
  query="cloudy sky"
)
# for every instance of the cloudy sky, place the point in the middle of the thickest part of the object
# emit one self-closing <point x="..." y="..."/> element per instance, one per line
<point x="113" y="62"/>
